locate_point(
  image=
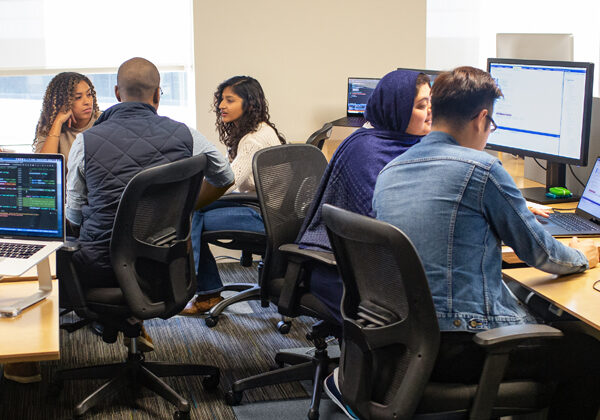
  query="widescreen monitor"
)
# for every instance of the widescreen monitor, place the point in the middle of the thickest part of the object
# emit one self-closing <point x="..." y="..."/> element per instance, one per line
<point x="431" y="73"/>
<point x="545" y="113"/>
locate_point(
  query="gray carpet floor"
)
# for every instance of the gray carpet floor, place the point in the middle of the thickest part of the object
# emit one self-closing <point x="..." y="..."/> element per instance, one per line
<point x="242" y="344"/>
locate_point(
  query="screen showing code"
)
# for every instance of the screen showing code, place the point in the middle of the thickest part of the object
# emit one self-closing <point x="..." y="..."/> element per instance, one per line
<point x="359" y="92"/>
<point x="29" y="197"/>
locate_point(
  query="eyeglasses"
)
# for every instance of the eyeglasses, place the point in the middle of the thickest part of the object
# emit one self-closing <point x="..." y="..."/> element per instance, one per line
<point x="493" y="125"/>
<point x="597" y="285"/>
<point x="161" y="91"/>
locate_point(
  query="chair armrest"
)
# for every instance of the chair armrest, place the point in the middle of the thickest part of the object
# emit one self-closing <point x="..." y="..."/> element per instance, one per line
<point x="309" y="254"/>
<point x="506" y="338"/>
<point x="498" y="343"/>
<point x="71" y="292"/>
<point x="295" y="274"/>
<point x="70" y="246"/>
<point x="240" y="198"/>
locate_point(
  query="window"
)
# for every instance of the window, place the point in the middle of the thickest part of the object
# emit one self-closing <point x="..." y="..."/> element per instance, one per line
<point x="40" y="39"/>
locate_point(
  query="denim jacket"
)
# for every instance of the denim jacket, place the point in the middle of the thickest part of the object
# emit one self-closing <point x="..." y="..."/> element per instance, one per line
<point x="456" y="205"/>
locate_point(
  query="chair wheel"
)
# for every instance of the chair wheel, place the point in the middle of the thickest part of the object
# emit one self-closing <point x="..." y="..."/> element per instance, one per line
<point x="284" y="327"/>
<point x="181" y="415"/>
<point x="211" y="321"/>
<point x="210" y="383"/>
<point x="313" y="414"/>
<point x="233" y="398"/>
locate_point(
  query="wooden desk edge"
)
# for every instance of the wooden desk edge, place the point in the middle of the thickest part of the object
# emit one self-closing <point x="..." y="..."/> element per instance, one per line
<point x="506" y="274"/>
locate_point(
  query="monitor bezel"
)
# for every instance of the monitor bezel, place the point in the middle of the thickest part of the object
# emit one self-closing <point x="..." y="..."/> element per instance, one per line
<point x="62" y="222"/>
<point x="355" y="114"/>
<point x="582" y="160"/>
<point x="425" y="71"/>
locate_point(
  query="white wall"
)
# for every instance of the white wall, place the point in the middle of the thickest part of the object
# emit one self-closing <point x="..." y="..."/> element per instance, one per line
<point x="463" y="32"/>
<point x="302" y="53"/>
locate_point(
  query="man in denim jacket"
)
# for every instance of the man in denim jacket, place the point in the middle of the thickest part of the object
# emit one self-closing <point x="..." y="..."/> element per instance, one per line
<point x="457" y="203"/>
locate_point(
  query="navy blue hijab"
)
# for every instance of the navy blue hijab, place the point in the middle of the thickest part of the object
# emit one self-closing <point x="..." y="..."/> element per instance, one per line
<point x="349" y="180"/>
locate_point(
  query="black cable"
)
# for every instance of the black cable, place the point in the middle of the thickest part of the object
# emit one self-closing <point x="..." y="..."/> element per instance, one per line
<point x="578" y="180"/>
<point x="539" y="164"/>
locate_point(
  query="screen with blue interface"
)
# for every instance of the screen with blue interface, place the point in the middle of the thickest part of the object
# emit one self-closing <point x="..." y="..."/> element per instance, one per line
<point x="31" y="196"/>
<point x="359" y="92"/>
<point x="544" y="109"/>
<point x="590" y="199"/>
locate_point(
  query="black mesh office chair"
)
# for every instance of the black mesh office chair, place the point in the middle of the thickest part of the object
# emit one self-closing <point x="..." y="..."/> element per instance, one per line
<point x="318" y="138"/>
<point x="250" y="243"/>
<point x="391" y="335"/>
<point x="286" y="180"/>
<point x="150" y="251"/>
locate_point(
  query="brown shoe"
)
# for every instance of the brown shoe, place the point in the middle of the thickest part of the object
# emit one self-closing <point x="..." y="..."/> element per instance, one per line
<point x="144" y="342"/>
<point x="202" y="304"/>
<point x="23" y="372"/>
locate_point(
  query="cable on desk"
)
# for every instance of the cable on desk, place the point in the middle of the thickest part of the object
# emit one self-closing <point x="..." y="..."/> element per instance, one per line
<point x="597" y="285"/>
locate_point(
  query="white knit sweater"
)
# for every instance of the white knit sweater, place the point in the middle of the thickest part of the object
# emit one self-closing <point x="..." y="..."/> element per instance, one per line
<point x="251" y="143"/>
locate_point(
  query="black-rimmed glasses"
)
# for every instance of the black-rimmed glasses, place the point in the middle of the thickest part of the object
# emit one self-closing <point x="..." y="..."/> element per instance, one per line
<point x="493" y="125"/>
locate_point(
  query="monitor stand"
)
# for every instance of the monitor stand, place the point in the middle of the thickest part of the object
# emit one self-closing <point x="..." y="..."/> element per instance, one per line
<point x="556" y="176"/>
<point x="44" y="290"/>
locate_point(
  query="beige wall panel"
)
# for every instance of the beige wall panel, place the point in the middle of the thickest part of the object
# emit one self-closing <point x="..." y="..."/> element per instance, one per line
<point x="302" y="52"/>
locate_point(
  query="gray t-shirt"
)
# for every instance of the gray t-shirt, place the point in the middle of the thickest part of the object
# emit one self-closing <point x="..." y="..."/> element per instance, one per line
<point x="218" y="172"/>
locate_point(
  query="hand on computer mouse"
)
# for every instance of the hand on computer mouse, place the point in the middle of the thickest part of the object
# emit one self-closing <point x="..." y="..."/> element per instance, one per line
<point x="589" y="249"/>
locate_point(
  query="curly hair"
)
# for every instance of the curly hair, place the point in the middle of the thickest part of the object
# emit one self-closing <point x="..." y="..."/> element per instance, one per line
<point x="59" y="94"/>
<point x="255" y="111"/>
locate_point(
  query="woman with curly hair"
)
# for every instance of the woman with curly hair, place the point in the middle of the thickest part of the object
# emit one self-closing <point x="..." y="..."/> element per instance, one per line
<point x="69" y="108"/>
<point x="244" y="126"/>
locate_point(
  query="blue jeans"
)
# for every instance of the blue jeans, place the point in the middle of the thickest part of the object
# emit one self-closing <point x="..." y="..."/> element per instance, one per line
<point x="218" y="216"/>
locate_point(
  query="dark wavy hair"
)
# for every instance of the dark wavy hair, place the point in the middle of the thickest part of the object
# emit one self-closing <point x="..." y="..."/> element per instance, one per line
<point x="60" y="92"/>
<point x="255" y="111"/>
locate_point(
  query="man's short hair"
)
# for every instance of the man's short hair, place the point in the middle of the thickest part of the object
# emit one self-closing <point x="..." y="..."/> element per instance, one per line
<point x="459" y="95"/>
<point x="138" y="79"/>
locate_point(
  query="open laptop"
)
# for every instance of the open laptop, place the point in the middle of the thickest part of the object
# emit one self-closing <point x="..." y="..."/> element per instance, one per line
<point x="586" y="219"/>
<point x="359" y="92"/>
<point x="32" y="219"/>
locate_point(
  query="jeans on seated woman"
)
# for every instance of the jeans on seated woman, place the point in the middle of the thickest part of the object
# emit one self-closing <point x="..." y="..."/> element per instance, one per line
<point x="216" y="216"/>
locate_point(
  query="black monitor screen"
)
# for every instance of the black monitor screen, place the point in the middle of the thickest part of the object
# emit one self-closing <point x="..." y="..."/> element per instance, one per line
<point x="359" y="92"/>
<point x="431" y="73"/>
<point x="545" y="111"/>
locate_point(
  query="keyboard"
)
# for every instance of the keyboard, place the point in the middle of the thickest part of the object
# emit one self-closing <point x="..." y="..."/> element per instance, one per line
<point x="356" y="120"/>
<point x="572" y="223"/>
<point x="17" y="250"/>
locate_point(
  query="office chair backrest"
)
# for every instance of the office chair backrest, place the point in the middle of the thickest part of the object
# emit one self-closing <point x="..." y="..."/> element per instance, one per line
<point x="286" y="178"/>
<point x="391" y="334"/>
<point x="150" y="246"/>
<point x="318" y="138"/>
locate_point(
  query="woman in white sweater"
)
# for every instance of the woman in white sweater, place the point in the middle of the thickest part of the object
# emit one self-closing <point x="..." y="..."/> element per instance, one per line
<point x="244" y="127"/>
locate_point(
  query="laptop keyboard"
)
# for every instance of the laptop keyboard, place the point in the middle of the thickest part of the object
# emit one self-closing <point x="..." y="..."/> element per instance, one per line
<point x="356" y="120"/>
<point x="572" y="223"/>
<point x="17" y="250"/>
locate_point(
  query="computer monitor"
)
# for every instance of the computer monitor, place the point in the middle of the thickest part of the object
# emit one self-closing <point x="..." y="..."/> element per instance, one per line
<point x="545" y="113"/>
<point x="431" y="73"/>
<point x="359" y="92"/>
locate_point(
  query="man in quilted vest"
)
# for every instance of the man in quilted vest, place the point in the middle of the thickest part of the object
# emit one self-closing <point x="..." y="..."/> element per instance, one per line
<point x="127" y="138"/>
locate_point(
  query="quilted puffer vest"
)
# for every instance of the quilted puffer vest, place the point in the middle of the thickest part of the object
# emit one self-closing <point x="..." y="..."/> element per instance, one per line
<point x="127" y="138"/>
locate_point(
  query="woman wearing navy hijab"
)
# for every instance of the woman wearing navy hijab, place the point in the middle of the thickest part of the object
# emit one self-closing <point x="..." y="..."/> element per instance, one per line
<point x="398" y="115"/>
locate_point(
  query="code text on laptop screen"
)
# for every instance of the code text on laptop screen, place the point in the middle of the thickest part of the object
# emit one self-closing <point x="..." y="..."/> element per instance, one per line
<point x="359" y="92"/>
<point x="31" y="197"/>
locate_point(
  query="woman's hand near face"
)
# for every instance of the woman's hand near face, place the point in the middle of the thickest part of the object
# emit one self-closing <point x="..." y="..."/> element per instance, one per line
<point x="51" y="143"/>
<point x="61" y="118"/>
